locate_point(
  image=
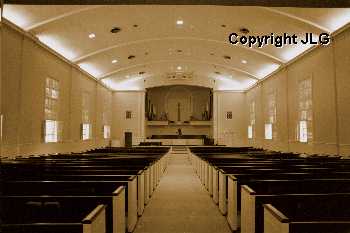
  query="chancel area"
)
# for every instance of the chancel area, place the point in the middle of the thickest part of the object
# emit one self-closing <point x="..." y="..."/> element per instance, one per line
<point x="179" y="115"/>
<point x="174" y="116"/>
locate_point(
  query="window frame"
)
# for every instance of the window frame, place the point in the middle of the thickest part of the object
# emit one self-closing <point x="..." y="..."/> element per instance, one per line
<point x="268" y="131"/>
<point x="305" y="111"/>
<point x="106" y="131"/>
<point x="52" y="130"/>
<point x="84" y="127"/>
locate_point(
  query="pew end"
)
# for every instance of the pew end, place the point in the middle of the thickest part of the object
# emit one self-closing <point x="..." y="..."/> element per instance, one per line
<point x="119" y="222"/>
<point x="232" y="207"/>
<point x="95" y="222"/>
<point x="222" y="192"/>
<point x="140" y="192"/>
<point x="132" y="203"/>
<point x="274" y="220"/>
<point x="247" y="209"/>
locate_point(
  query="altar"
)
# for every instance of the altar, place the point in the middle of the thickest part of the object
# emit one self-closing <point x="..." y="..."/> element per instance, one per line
<point x="183" y="140"/>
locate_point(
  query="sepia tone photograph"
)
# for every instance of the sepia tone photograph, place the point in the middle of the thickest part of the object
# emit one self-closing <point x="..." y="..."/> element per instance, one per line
<point x="174" y="116"/>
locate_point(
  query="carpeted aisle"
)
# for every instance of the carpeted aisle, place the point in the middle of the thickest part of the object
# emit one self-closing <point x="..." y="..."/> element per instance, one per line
<point x="180" y="204"/>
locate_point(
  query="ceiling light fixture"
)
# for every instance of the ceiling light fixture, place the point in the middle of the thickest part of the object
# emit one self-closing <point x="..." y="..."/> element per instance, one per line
<point x="244" y="30"/>
<point x="92" y="36"/>
<point x="131" y="57"/>
<point x="244" y="61"/>
<point x="115" y="30"/>
<point x="227" y="57"/>
<point x="179" y="68"/>
<point x="179" y="22"/>
<point x="114" y="61"/>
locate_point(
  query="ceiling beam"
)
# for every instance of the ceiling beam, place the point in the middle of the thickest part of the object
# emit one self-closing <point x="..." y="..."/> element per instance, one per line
<point x="246" y="73"/>
<point x="266" y="3"/>
<point x="58" y="17"/>
<point x="129" y="43"/>
<point x="302" y="20"/>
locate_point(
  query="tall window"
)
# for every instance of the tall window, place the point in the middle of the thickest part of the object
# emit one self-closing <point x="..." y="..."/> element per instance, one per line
<point x="304" y="124"/>
<point x="106" y="131"/>
<point x="271" y="115"/>
<point x="106" y="127"/>
<point x="52" y="127"/>
<point x="86" y="126"/>
<point x="251" y="126"/>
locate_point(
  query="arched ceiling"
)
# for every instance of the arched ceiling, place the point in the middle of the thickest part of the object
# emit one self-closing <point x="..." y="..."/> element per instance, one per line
<point x="159" y="46"/>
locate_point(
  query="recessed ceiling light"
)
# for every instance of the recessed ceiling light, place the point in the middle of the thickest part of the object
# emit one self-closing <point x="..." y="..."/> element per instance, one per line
<point x="244" y="30"/>
<point x="142" y="72"/>
<point x="212" y="54"/>
<point x="135" y="25"/>
<point x="92" y="36"/>
<point x="115" y="30"/>
<point x="131" y="57"/>
<point x="179" y="51"/>
<point x="179" y="68"/>
<point x="179" y="22"/>
<point x="244" y="61"/>
<point x="217" y="72"/>
<point x="223" y="25"/>
<point x="227" y="57"/>
<point x="114" y="61"/>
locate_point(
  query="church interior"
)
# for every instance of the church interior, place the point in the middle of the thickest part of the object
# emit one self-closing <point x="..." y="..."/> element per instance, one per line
<point x="174" y="116"/>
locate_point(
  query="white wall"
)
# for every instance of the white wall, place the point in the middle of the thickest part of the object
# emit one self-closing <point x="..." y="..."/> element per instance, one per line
<point x="0" y="75"/>
<point x="123" y="101"/>
<point x="342" y="93"/>
<point x="329" y="68"/>
<point x="26" y="65"/>
<point x="230" y="132"/>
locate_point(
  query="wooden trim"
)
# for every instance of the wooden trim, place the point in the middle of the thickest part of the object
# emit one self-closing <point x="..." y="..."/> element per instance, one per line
<point x="140" y="172"/>
<point x="131" y="178"/>
<point x="279" y="215"/>
<point x="266" y="3"/>
<point x="93" y="214"/>
<point x="248" y="189"/>
<point x="119" y="190"/>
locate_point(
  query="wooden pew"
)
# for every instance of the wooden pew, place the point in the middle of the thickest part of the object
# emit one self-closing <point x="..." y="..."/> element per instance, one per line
<point x="146" y="185"/>
<point x="255" y="194"/>
<point x="220" y="184"/>
<point x="234" y="191"/>
<point x="62" y="176"/>
<point x="93" y="222"/>
<point x="115" y="208"/>
<point x="93" y="161"/>
<point x="81" y="188"/>
<point x="323" y="213"/>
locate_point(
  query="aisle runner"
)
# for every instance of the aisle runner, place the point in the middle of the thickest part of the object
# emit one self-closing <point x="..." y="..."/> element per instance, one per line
<point x="180" y="204"/>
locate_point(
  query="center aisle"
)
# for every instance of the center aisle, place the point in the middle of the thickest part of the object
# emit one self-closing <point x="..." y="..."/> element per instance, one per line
<point x="180" y="204"/>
